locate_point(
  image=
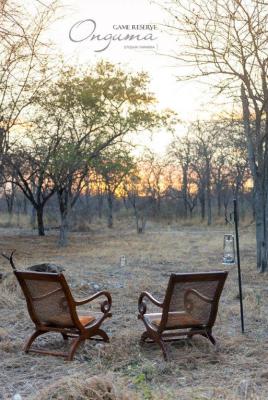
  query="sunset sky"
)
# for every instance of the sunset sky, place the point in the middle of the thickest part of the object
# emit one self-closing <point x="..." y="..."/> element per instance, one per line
<point x="189" y="99"/>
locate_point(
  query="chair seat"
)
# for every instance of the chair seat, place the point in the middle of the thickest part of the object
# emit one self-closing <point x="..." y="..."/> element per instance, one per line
<point x="175" y="320"/>
<point x="86" y="319"/>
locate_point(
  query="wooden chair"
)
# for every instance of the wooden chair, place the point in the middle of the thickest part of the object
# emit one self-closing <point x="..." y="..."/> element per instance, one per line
<point x="190" y="307"/>
<point x="52" y="308"/>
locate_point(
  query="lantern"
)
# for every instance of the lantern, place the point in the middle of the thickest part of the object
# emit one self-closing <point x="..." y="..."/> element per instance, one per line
<point x="123" y="261"/>
<point x="228" y="249"/>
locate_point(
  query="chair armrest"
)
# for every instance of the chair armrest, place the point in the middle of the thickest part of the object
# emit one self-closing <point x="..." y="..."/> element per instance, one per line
<point x="189" y="303"/>
<point x="44" y="296"/>
<point x="142" y="305"/>
<point x="105" y="305"/>
<point x="198" y="294"/>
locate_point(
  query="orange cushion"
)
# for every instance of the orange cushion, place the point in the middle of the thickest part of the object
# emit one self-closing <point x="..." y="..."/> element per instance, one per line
<point x="86" y="319"/>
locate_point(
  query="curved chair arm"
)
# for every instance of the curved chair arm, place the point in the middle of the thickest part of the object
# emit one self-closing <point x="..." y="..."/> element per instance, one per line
<point x="188" y="303"/>
<point x="142" y="305"/>
<point x="198" y="294"/>
<point x="105" y="305"/>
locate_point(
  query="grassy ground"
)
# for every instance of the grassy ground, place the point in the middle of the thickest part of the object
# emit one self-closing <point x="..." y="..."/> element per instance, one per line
<point x="235" y="369"/>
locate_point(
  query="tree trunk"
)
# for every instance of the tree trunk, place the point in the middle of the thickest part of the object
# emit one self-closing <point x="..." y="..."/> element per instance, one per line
<point x="25" y="208"/>
<point x="65" y="207"/>
<point x="33" y="217"/>
<point x="100" y="205"/>
<point x="209" y="207"/>
<point x="219" y="202"/>
<point x="110" y="209"/>
<point x="125" y="202"/>
<point x="40" y="220"/>
<point x="261" y="234"/>
<point x="203" y="205"/>
<point x="140" y="222"/>
<point x="253" y="208"/>
<point x="87" y="198"/>
<point x="242" y="212"/>
<point x="18" y="212"/>
<point x="158" y="205"/>
<point x="63" y="239"/>
<point x="10" y="203"/>
<point x="184" y="192"/>
<point x="139" y="217"/>
<point x="209" y="211"/>
<point x="225" y="212"/>
<point x="260" y="179"/>
<point x="191" y="212"/>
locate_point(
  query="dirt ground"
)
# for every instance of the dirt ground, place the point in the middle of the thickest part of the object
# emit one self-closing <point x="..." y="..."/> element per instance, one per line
<point x="237" y="368"/>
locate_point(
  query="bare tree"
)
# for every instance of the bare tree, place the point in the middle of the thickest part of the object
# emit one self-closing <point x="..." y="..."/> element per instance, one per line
<point x="114" y="165"/>
<point x="134" y="190"/>
<point x="226" y="40"/>
<point x="23" y="71"/>
<point x="181" y="151"/>
<point x="154" y="169"/>
<point x="27" y="167"/>
<point x="94" y="111"/>
<point x="195" y="153"/>
<point x="23" y="62"/>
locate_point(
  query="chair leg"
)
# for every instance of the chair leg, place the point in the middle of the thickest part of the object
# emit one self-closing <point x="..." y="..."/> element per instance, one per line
<point x="211" y="338"/>
<point x="163" y="348"/>
<point x="157" y="340"/>
<point x="143" y="338"/>
<point x="208" y="335"/>
<point x="76" y="342"/>
<point x="65" y="337"/>
<point x="103" y="335"/>
<point x="190" y="334"/>
<point x="32" y="339"/>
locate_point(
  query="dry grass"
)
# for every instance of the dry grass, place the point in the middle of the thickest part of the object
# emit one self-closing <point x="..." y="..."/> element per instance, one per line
<point x="82" y="387"/>
<point x="235" y="369"/>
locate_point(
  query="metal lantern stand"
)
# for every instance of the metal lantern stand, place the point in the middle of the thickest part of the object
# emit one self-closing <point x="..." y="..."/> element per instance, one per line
<point x="236" y="222"/>
<point x="238" y="265"/>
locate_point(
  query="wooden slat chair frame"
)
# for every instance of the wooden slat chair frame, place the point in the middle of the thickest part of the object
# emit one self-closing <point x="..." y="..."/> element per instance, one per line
<point x="169" y="325"/>
<point x="80" y="328"/>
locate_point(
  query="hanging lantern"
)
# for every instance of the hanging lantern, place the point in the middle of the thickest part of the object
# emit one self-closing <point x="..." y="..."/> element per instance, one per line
<point x="123" y="261"/>
<point x="228" y="249"/>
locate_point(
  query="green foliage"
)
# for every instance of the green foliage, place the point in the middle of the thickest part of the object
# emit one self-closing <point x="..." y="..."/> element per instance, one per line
<point x="140" y="382"/>
<point x="89" y="112"/>
<point x="100" y="104"/>
<point x="114" y="165"/>
<point x="80" y="122"/>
